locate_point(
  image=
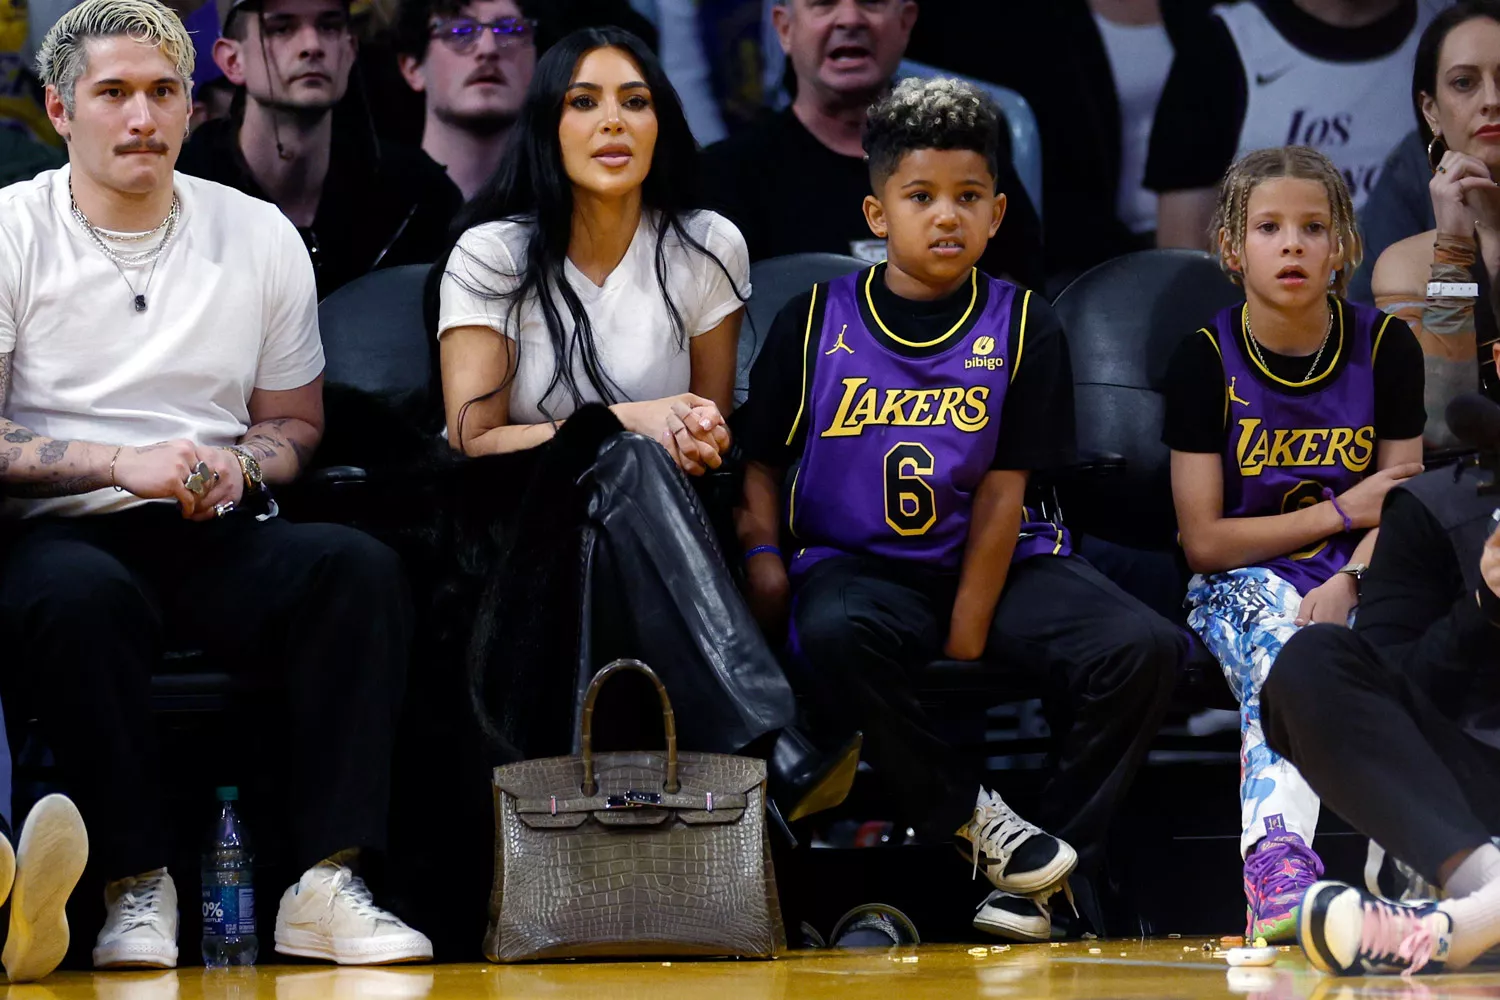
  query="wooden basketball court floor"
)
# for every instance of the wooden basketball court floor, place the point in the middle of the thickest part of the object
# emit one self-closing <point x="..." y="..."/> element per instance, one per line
<point x="1180" y="969"/>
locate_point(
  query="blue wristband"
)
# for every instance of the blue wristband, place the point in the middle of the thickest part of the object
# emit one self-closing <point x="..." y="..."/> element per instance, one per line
<point x="760" y="549"/>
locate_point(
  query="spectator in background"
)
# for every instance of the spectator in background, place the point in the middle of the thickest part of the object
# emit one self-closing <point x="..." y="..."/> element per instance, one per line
<point x="472" y="62"/>
<point x="1456" y="90"/>
<point x="1400" y="206"/>
<point x="358" y="202"/>
<point x="1263" y="73"/>
<point x="1094" y="100"/>
<point x="794" y="183"/>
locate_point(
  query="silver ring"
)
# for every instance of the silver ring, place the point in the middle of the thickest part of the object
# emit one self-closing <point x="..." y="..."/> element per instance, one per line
<point x="220" y="509"/>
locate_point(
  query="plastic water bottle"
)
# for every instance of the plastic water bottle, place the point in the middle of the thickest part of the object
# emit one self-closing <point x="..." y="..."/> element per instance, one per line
<point x="228" y="890"/>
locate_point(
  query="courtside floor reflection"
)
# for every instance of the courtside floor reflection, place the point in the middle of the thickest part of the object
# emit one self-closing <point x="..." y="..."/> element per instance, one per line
<point x="1181" y="969"/>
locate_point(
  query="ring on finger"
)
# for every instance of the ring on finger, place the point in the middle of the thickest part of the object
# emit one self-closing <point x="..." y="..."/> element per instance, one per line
<point x="221" y="509"/>
<point x="1442" y="169"/>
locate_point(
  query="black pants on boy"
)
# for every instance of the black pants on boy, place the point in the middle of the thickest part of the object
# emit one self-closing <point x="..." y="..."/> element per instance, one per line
<point x="1378" y="750"/>
<point x="90" y="604"/>
<point x="864" y="630"/>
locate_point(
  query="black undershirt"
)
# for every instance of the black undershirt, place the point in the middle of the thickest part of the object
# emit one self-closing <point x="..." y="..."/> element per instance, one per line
<point x="1195" y="387"/>
<point x="1202" y="109"/>
<point x="1036" y="422"/>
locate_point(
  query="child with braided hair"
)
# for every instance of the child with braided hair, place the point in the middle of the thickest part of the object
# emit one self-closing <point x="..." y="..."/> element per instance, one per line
<point x="1289" y="417"/>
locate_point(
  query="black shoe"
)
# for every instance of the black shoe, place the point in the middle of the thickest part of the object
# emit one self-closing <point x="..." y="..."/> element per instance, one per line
<point x="804" y="780"/>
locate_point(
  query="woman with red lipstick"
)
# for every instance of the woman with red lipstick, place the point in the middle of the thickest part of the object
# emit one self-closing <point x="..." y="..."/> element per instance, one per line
<point x="1289" y="417"/>
<point x="1439" y="281"/>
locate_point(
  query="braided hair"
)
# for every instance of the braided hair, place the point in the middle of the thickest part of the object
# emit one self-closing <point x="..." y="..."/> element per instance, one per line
<point x="1301" y="163"/>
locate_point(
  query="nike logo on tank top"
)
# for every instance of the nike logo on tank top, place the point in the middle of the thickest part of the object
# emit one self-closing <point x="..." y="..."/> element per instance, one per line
<point x="897" y="443"/>
<point x="1288" y="441"/>
<point x="1352" y="112"/>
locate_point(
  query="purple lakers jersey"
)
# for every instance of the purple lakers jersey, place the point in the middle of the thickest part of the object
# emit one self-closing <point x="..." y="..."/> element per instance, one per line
<point x="897" y="442"/>
<point x="1289" y="441"/>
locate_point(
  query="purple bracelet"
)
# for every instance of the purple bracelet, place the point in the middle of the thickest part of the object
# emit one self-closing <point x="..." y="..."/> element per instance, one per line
<point x="1328" y="495"/>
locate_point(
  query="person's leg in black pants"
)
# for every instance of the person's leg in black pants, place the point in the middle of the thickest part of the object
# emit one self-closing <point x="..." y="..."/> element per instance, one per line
<point x="1378" y="751"/>
<point x="326" y="608"/>
<point x="1116" y="660"/>
<point x="862" y="631"/>
<point x="85" y="635"/>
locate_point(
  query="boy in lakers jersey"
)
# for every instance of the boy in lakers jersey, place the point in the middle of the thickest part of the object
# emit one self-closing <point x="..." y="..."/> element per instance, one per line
<point x="1289" y="417"/>
<point x="893" y="419"/>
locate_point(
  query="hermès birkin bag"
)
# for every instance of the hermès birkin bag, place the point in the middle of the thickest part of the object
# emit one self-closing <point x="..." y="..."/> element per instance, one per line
<point x="632" y="854"/>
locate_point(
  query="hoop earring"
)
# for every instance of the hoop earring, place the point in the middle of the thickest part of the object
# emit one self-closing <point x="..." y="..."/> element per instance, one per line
<point x="1437" y="137"/>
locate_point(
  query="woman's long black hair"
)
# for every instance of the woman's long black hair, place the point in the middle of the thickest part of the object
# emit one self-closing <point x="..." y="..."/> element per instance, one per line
<point x="531" y="186"/>
<point x="1424" y="77"/>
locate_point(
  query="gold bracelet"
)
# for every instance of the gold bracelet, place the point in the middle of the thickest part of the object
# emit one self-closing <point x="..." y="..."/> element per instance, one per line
<point x="115" y="457"/>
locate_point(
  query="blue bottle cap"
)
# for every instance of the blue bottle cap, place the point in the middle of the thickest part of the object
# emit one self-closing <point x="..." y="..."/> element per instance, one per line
<point x="227" y="793"/>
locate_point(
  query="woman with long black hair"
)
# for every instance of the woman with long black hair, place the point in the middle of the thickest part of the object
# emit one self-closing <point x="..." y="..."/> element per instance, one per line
<point x="585" y="272"/>
<point x="588" y="297"/>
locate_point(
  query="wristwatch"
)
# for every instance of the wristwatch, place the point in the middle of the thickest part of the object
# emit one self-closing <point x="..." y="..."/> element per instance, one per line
<point x="1356" y="570"/>
<point x="250" y="466"/>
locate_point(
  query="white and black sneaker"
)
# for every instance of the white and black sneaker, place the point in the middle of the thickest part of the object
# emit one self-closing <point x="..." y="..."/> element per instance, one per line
<point x="1346" y="931"/>
<point x="1020" y="918"/>
<point x="1017" y="857"/>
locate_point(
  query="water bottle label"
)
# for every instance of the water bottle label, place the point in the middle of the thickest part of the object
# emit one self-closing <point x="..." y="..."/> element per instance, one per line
<point x="228" y="910"/>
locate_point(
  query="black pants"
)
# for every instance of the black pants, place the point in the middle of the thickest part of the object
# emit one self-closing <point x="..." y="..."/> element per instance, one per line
<point x="1378" y="751"/>
<point x="865" y="631"/>
<point x="92" y="603"/>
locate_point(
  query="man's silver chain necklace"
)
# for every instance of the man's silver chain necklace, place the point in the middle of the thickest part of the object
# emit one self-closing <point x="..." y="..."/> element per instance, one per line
<point x="121" y="261"/>
<point x="1255" y="344"/>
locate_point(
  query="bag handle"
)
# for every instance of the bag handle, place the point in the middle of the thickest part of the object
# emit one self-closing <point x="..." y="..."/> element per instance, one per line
<point x="586" y="723"/>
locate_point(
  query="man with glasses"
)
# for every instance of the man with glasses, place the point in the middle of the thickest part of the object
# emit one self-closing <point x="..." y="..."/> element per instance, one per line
<point x="360" y="202"/>
<point x="472" y="62"/>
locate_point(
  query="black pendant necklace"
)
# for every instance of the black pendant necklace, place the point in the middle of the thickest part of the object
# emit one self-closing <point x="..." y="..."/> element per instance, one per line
<point x="168" y="227"/>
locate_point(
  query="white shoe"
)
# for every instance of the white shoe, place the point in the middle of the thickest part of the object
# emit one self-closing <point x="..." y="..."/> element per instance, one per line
<point x="330" y="914"/>
<point x="1020" y="918"/>
<point x="140" y="930"/>
<point x="997" y="834"/>
<point x="54" y="847"/>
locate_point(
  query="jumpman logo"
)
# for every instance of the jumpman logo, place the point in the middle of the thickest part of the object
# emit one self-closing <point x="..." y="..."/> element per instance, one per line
<point x="839" y="344"/>
<point x="1232" y="395"/>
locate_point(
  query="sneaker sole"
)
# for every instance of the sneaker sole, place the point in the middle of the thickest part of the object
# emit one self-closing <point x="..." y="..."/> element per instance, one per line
<point x="1008" y="925"/>
<point x="305" y="944"/>
<point x="1280" y="931"/>
<point x="53" y="850"/>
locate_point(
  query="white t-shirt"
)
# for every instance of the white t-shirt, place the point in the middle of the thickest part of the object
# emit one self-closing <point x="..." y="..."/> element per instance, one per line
<point x="1139" y="57"/>
<point x="231" y="308"/>
<point x="636" y="342"/>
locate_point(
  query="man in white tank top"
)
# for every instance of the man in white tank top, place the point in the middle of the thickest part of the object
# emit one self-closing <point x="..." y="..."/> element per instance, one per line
<point x="1322" y="73"/>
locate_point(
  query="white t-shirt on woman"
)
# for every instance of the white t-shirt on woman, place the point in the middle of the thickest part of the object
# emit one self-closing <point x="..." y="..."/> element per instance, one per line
<point x="637" y="345"/>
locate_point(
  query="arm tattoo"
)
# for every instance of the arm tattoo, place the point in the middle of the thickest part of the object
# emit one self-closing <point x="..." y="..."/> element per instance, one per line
<point x="19" y="436"/>
<point x="52" y="452"/>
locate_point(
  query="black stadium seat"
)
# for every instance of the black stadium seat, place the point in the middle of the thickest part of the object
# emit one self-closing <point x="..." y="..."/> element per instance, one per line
<point x="1123" y="319"/>
<point x="375" y="338"/>
<point x="774" y="283"/>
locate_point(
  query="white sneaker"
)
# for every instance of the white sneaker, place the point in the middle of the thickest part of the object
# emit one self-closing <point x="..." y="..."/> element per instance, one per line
<point x="1017" y="857"/>
<point x="54" y="847"/>
<point x="140" y="930"/>
<point x="330" y="914"/>
<point x="1020" y="918"/>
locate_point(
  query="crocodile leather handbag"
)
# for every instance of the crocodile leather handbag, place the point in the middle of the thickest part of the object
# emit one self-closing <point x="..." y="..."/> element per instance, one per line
<point x="632" y="854"/>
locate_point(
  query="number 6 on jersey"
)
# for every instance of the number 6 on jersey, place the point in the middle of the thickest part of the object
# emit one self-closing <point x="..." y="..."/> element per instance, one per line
<point x="910" y="504"/>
